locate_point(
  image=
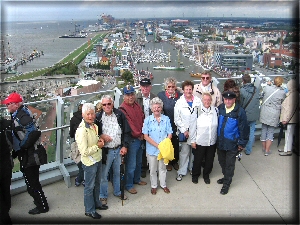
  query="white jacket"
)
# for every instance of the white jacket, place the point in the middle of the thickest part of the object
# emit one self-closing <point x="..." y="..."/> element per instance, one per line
<point x="205" y="133"/>
<point x="184" y="115"/>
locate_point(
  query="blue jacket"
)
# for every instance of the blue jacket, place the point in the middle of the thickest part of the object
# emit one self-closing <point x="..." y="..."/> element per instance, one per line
<point x="233" y="129"/>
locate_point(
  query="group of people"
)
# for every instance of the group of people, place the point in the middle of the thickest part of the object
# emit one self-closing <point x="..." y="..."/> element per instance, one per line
<point x="144" y="133"/>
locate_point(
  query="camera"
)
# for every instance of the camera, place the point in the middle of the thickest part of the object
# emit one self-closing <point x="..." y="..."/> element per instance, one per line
<point x="239" y="156"/>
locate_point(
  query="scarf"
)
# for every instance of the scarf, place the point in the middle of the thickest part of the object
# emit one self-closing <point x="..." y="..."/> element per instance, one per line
<point x="135" y="117"/>
<point x="174" y="95"/>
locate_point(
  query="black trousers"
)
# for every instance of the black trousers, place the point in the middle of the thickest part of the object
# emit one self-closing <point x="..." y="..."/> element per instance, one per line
<point x="144" y="158"/>
<point x="200" y="153"/>
<point x="34" y="188"/>
<point x="227" y="161"/>
<point x="5" y="198"/>
<point x="175" y="143"/>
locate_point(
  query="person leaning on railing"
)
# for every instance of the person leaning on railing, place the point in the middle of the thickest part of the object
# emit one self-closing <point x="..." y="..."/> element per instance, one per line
<point x="270" y="113"/>
<point x="22" y="119"/>
<point x="289" y="116"/>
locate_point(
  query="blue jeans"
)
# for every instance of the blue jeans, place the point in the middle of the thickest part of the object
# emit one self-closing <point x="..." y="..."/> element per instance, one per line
<point x="133" y="163"/>
<point x="92" y="175"/>
<point x="113" y="160"/>
<point x="80" y="175"/>
<point x="249" y="145"/>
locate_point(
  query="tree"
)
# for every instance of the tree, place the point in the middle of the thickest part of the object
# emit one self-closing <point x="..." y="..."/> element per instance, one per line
<point x="127" y="77"/>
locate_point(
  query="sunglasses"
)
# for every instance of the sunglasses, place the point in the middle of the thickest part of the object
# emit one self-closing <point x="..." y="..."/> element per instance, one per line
<point x="205" y="78"/>
<point x="107" y="104"/>
<point x="171" y="86"/>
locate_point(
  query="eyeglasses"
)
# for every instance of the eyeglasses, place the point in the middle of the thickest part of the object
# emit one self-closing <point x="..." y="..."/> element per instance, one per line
<point x="171" y="86"/>
<point x="109" y="104"/>
<point x="9" y="103"/>
<point x="205" y="78"/>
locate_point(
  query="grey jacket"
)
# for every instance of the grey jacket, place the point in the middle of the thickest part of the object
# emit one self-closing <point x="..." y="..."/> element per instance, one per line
<point x="270" y="110"/>
<point x="252" y="109"/>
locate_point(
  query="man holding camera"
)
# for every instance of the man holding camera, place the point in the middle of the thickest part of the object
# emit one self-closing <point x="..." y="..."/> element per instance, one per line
<point x="233" y="135"/>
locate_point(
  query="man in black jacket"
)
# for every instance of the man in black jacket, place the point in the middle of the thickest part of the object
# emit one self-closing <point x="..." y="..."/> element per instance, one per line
<point x="5" y="172"/>
<point x="74" y="123"/>
<point x="143" y="98"/>
<point x="115" y="131"/>
<point x="22" y="118"/>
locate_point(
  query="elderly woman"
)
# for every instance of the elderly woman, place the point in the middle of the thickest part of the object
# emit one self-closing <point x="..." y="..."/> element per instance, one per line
<point x="203" y="138"/>
<point x="270" y="112"/>
<point x="169" y="97"/>
<point x="89" y="146"/>
<point x="290" y="116"/>
<point x="185" y="115"/>
<point x="156" y="128"/>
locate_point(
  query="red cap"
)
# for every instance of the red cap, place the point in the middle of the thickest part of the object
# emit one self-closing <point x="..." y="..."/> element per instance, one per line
<point x="13" y="97"/>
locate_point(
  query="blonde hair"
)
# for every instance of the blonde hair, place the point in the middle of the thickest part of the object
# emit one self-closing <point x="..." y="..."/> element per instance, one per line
<point x="278" y="81"/>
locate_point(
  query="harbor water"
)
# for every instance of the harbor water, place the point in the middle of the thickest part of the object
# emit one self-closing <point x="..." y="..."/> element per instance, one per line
<point x="21" y="38"/>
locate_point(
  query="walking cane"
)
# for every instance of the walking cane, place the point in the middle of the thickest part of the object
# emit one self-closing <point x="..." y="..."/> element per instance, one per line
<point x="122" y="177"/>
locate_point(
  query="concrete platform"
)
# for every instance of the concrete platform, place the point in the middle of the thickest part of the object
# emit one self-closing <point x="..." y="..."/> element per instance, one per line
<point x="265" y="189"/>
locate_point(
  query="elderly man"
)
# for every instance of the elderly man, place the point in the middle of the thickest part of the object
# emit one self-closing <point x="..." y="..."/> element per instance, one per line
<point x="143" y="98"/>
<point x="233" y="133"/>
<point x="207" y="86"/>
<point x="249" y="100"/>
<point x="115" y="132"/>
<point x="22" y="118"/>
<point x="135" y="117"/>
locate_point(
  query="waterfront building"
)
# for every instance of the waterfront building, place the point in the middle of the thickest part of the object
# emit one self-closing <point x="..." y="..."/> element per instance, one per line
<point x="239" y="62"/>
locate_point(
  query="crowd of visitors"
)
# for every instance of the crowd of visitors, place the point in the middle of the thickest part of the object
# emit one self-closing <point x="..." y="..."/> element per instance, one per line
<point x="181" y="128"/>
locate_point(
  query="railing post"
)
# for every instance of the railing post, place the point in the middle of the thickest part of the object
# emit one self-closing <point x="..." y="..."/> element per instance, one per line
<point x="60" y="141"/>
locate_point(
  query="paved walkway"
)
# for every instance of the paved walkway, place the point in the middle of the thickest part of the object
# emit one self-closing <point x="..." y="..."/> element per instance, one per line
<point x="264" y="190"/>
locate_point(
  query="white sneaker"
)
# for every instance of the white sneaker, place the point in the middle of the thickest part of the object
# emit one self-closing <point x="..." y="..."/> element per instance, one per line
<point x="280" y="150"/>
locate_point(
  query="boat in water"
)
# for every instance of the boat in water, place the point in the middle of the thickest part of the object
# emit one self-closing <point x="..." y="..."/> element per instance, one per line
<point x="8" y="64"/>
<point x="198" y="75"/>
<point x="76" y="34"/>
<point x="73" y="36"/>
<point x="163" y="67"/>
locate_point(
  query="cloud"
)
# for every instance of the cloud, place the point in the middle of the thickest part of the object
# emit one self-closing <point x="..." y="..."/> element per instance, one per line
<point x="80" y="10"/>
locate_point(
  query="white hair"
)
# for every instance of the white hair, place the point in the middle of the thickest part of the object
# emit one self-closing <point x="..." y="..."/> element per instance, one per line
<point x="87" y="107"/>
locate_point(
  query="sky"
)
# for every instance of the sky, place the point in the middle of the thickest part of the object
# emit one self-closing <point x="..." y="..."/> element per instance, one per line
<point x="91" y="10"/>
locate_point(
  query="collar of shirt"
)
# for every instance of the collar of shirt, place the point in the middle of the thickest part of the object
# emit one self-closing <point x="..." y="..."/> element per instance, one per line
<point x="146" y="97"/>
<point x="205" y="88"/>
<point x="228" y="110"/>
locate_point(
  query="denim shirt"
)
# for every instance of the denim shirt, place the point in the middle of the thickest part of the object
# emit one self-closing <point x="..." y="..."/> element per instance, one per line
<point x="156" y="131"/>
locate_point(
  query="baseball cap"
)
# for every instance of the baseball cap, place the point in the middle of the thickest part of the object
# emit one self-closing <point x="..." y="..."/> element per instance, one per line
<point x="13" y="97"/>
<point x="128" y="90"/>
<point x="145" y="82"/>
<point x="229" y="94"/>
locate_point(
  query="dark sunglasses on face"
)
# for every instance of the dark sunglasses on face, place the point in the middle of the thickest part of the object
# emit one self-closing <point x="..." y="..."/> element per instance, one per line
<point x="106" y="104"/>
<point x="205" y="78"/>
<point x="171" y="86"/>
<point x="9" y="103"/>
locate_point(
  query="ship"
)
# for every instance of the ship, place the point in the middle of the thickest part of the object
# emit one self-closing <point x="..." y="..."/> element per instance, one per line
<point x="76" y="34"/>
<point x="169" y="67"/>
<point x="178" y="67"/>
<point x="73" y="36"/>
